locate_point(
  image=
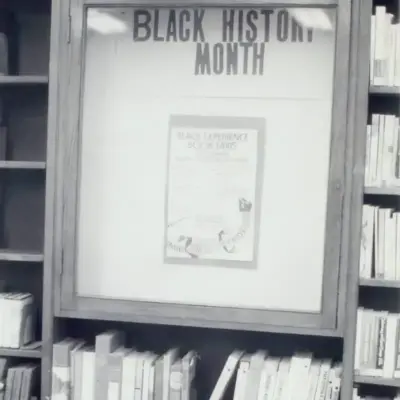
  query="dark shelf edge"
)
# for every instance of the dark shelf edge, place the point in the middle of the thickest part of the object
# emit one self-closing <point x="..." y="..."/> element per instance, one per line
<point x="371" y="380"/>
<point x="379" y="283"/>
<point x="22" y="165"/>
<point x="22" y="353"/>
<point x="385" y="90"/>
<point x="20" y="255"/>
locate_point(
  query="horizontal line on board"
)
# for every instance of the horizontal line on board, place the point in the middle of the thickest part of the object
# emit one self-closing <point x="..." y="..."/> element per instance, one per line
<point x="389" y="90"/>
<point x="11" y="164"/>
<point x="255" y="98"/>
<point x="390" y="191"/>
<point x="29" y="351"/>
<point x="379" y="283"/>
<point x="19" y="255"/>
<point x="371" y="380"/>
<point x="9" y="80"/>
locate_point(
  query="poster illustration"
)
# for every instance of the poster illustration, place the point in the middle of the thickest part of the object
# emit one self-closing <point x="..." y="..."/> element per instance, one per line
<point x="213" y="190"/>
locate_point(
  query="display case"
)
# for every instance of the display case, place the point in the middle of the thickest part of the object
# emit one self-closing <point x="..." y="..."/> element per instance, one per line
<point x="200" y="163"/>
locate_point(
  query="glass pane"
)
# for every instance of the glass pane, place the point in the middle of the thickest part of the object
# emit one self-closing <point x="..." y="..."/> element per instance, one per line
<point x="205" y="155"/>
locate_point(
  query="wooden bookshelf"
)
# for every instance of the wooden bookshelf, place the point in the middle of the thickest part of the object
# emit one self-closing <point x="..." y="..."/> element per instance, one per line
<point x="385" y="90"/>
<point x="384" y="283"/>
<point x="25" y="352"/>
<point x="383" y="191"/>
<point x="34" y="165"/>
<point x="20" y="256"/>
<point x="16" y="80"/>
<point x="368" y="380"/>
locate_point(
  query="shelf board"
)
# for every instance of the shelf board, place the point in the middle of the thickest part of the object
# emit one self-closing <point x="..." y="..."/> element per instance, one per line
<point x="21" y="80"/>
<point x="386" y="191"/>
<point x="11" y="164"/>
<point x="19" y="255"/>
<point x="379" y="283"/>
<point x="22" y="353"/>
<point x="385" y="90"/>
<point x="371" y="380"/>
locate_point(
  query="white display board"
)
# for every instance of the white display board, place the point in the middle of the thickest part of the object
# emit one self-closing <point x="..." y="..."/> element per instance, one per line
<point x="205" y="151"/>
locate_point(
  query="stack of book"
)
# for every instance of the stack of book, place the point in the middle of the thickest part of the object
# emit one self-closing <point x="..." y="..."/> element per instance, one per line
<point x="380" y="243"/>
<point x="382" y="167"/>
<point x="110" y="371"/>
<point x="356" y="396"/>
<point x="377" y="344"/>
<point x="17" y="381"/>
<point x="16" y="319"/>
<point x="385" y="49"/>
<point x="260" y="377"/>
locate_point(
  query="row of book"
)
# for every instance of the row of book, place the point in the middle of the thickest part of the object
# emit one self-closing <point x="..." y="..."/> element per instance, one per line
<point x="16" y="319"/>
<point x="382" y="166"/>
<point x="111" y="371"/>
<point x="357" y="396"/>
<point x="17" y="381"/>
<point x="385" y="49"/>
<point x="377" y="344"/>
<point x="260" y="377"/>
<point x="380" y="243"/>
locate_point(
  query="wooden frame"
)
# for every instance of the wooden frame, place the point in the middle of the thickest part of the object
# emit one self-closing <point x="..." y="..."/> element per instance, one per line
<point x="62" y="189"/>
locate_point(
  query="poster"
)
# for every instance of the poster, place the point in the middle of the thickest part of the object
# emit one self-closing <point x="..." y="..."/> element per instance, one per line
<point x="213" y="191"/>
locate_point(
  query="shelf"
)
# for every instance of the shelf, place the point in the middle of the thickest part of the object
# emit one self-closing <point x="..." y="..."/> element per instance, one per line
<point x="385" y="90"/>
<point x="23" y="256"/>
<point x="9" y="164"/>
<point x="387" y="191"/>
<point x="15" y="80"/>
<point x="379" y="283"/>
<point x="370" y="380"/>
<point x="31" y="351"/>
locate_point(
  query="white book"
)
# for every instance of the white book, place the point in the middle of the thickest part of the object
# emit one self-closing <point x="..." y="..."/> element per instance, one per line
<point x="380" y="55"/>
<point x="367" y="172"/>
<point x="380" y="273"/>
<point x="333" y="389"/>
<point x="390" y="237"/>
<point x="392" y="55"/>
<point x="240" y="386"/>
<point x="323" y="380"/>
<point x="168" y="359"/>
<point x="282" y="378"/>
<point x="381" y="147"/>
<point x="128" y="376"/>
<point x="299" y="369"/>
<point x="88" y="374"/>
<point x="388" y="150"/>
<point x="313" y="379"/>
<point x="226" y="375"/>
<point x="397" y="62"/>
<point x="359" y="334"/>
<point x="254" y="374"/>
<point x="268" y="378"/>
<point x="148" y="363"/>
<point x="390" y="345"/>
<point x="374" y="150"/>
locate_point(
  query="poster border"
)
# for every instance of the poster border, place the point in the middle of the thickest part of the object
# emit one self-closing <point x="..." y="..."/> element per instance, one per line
<point x="257" y="124"/>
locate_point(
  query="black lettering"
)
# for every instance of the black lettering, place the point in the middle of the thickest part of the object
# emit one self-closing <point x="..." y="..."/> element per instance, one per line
<point x="156" y="37"/>
<point x="267" y="23"/>
<point x="184" y="34"/>
<point x="227" y="25"/>
<point x="138" y="24"/>
<point x="283" y="26"/>
<point x="232" y="55"/>
<point x="218" y="59"/>
<point x="202" y="66"/>
<point x="246" y="48"/>
<point x="171" y="27"/>
<point x="297" y="31"/>
<point x="251" y="31"/>
<point x="240" y="26"/>
<point x="198" y="26"/>
<point x="310" y="35"/>
<point x="258" y="58"/>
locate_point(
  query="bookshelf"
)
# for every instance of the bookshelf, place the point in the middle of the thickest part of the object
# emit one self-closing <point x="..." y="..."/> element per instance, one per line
<point x="23" y="112"/>
<point x="28" y="263"/>
<point x="378" y="291"/>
